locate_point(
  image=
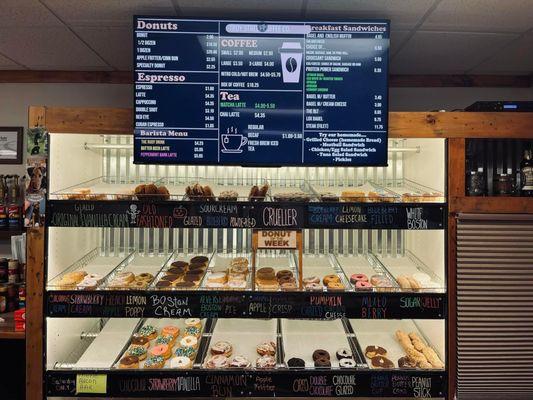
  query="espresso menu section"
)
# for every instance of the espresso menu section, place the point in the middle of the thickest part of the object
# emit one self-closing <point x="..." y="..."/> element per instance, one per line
<point x="243" y="304"/>
<point x="260" y="93"/>
<point x="268" y="215"/>
<point x="281" y="383"/>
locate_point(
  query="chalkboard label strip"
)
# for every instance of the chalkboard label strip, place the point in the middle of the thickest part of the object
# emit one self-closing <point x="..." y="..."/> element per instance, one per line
<point x="240" y="383"/>
<point x="244" y="304"/>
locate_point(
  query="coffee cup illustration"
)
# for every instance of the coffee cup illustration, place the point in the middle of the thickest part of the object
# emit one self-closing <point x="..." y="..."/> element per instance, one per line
<point x="291" y="61"/>
<point x="232" y="142"/>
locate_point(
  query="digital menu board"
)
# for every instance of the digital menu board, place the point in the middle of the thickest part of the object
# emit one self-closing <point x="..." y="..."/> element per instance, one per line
<point x="265" y="93"/>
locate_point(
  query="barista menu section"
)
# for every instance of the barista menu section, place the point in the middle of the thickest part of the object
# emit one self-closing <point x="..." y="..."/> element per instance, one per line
<point x="260" y="93"/>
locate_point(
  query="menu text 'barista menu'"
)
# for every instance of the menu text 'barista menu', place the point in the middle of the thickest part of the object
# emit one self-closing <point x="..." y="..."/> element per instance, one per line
<point x="260" y="93"/>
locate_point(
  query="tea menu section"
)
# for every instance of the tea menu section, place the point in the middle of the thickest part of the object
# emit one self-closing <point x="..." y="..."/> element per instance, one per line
<point x="260" y="93"/>
<point x="288" y="383"/>
<point x="241" y="304"/>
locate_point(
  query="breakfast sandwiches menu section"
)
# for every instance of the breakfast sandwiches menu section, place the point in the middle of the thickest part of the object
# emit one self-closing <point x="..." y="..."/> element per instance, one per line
<point x="260" y="93"/>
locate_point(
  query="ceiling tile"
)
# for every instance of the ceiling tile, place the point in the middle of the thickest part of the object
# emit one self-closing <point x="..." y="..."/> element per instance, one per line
<point x="26" y="13"/>
<point x="253" y="9"/>
<point x="54" y="47"/>
<point x="396" y="40"/>
<point x="403" y="14"/>
<point x="108" y="12"/>
<point x="6" y="63"/>
<point x="115" y="45"/>
<point x="482" y="16"/>
<point x="516" y="58"/>
<point x="446" y="52"/>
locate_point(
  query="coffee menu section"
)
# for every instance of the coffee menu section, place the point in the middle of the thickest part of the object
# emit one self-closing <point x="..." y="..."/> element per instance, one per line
<point x="260" y="93"/>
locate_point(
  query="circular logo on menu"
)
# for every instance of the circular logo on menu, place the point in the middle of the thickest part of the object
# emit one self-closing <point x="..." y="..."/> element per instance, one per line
<point x="291" y="64"/>
<point x="262" y="27"/>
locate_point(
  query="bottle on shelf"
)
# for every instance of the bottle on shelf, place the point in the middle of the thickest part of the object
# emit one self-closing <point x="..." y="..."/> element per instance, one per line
<point x="13" y="203"/>
<point x="526" y="174"/>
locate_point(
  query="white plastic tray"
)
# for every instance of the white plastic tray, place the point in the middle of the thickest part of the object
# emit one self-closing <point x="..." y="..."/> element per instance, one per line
<point x="398" y="266"/>
<point x="278" y="262"/>
<point x="302" y="337"/>
<point x="222" y="262"/>
<point x="178" y="257"/>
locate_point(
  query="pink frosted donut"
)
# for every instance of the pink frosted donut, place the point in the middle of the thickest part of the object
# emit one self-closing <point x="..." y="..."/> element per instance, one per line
<point x="358" y="277"/>
<point x="363" y="285"/>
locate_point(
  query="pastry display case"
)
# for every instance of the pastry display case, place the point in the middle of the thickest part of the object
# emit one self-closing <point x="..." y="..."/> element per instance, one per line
<point x="155" y="283"/>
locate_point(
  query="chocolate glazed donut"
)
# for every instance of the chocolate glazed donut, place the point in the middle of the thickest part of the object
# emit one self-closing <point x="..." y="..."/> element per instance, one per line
<point x="320" y="354"/>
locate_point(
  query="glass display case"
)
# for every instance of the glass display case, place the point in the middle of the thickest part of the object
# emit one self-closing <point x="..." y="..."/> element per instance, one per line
<point x="157" y="285"/>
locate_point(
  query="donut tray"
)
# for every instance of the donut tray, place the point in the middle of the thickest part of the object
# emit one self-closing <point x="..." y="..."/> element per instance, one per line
<point x="320" y="265"/>
<point x="159" y="323"/>
<point x="178" y="257"/>
<point x="385" y="195"/>
<point x="364" y="264"/>
<point x="417" y="192"/>
<point x="278" y="260"/>
<point x="221" y="262"/>
<point x="244" y="335"/>
<point x="383" y="333"/>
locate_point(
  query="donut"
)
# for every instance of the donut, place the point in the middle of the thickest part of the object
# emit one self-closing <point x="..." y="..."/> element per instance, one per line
<point x="286" y="279"/>
<point x="284" y="273"/>
<point x="222" y="348"/>
<point x="171" y="330"/>
<point x="192" y="331"/>
<point x="373" y="351"/>
<point x="216" y="362"/>
<point x="239" y="362"/>
<point x="189" y="352"/>
<point x="168" y="339"/>
<point x="180" y="264"/>
<point x="199" y="259"/>
<point x="183" y="285"/>
<point x="137" y="351"/>
<point x="193" y="266"/>
<point x="163" y="284"/>
<point x="170" y="277"/>
<point x="363" y="285"/>
<point x="161" y="350"/>
<point x="177" y="270"/>
<point x="381" y="362"/>
<point x="145" y="276"/>
<point x="238" y="269"/>
<point x="265" y="362"/>
<point x="237" y="284"/>
<point x="358" y="277"/>
<point x="406" y="363"/>
<point x="139" y="284"/>
<point x="288" y="286"/>
<point x="217" y="277"/>
<point x="140" y="341"/>
<point x="335" y="286"/>
<point x="239" y="262"/>
<point x="180" y="363"/>
<point x="320" y="354"/>
<point x="266" y="349"/>
<point x="266" y="273"/>
<point x="148" y="331"/>
<point x="313" y="286"/>
<point x="322" y="362"/>
<point x="129" y="362"/>
<point x="125" y="276"/>
<point x="311" y="279"/>
<point x="330" y="278"/>
<point x="296" y="363"/>
<point x="344" y="353"/>
<point x="189" y="341"/>
<point x="347" y="363"/>
<point x="155" y="362"/>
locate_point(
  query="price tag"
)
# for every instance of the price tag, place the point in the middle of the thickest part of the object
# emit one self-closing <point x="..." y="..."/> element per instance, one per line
<point x="90" y="383"/>
<point x="277" y="240"/>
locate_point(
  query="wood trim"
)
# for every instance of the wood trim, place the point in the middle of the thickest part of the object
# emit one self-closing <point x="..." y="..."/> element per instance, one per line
<point x="401" y="124"/>
<point x="456" y="167"/>
<point x="494" y="204"/>
<point x="126" y="77"/>
<point x="452" y="306"/>
<point x="34" y="313"/>
<point x="24" y="76"/>
<point x="36" y="116"/>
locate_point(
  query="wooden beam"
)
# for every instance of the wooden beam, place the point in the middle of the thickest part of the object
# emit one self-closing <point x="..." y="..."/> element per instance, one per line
<point x="117" y="77"/>
<point x="90" y="120"/>
<point x="126" y="77"/>
<point x="36" y="116"/>
<point x="516" y="81"/>
<point x="493" y="204"/>
<point x="34" y="314"/>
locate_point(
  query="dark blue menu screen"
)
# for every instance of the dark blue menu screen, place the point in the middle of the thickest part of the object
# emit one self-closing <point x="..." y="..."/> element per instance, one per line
<point x="219" y="92"/>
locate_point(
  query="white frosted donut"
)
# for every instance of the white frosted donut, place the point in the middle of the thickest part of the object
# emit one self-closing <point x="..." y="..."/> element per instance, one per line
<point x="180" y="363"/>
<point x="193" y="322"/>
<point x="347" y="363"/>
<point x="189" y="341"/>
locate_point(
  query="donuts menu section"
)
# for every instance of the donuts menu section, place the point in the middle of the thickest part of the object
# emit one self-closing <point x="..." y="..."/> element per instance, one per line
<point x="222" y="92"/>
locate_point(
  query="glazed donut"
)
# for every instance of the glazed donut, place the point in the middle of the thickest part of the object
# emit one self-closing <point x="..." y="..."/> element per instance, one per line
<point x="155" y="362"/>
<point x="358" y="277"/>
<point x="218" y="361"/>
<point x="311" y="279"/>
<point x="161" y="350"/>
<point x="180" y="363"/>
<point x="189" y="352"/>
<point x="313" y="286"/>
<point x="222" y="348"/>
<point x="145" y="276"/>
<point x="265" y="362"/>
<point x="320" y="354"/>
<point x="129" y="362"/>
<point x="266" y="349"/>
<point x="335" y="286"/>
<point x="137" y="351"/>
<point x="239" y="362"/>
<point x="173" y="331"/>
<point x="344" y="353"/>
<point x="347" y="363"/>
<point x="363" y="285"/>
<point x="189" y="341"/>
<point x="330" y="278"/>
